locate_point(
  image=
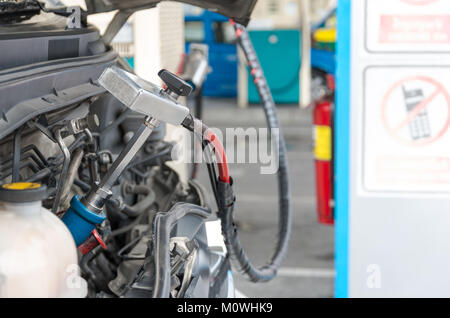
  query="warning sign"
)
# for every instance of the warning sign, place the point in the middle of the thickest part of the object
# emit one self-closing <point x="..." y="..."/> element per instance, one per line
<point x="425" y="116"/>
<point x="406" y="129"/>
<point x="407" y="26"/>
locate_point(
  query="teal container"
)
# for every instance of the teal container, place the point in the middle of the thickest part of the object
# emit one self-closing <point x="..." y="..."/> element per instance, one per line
<point x="130" y="61"/>
<point x="279" y="54"/>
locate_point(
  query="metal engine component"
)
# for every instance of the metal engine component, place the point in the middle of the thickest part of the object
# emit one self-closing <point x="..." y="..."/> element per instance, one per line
<point x="196" y="65"/>
<point x="142" y="96"/>
<point x="102" y="191"/>
<point x="139" y="96"/>
<point x="77" y="126"/>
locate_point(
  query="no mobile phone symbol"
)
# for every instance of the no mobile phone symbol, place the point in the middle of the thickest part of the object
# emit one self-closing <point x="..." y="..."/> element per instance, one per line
<point x="416" y="110"/>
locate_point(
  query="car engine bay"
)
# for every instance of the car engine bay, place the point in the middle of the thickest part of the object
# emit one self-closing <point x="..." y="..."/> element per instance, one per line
<point x="89" y="143"/>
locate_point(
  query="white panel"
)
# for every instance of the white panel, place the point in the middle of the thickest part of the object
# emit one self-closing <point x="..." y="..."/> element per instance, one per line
<point x="399" y="238"/>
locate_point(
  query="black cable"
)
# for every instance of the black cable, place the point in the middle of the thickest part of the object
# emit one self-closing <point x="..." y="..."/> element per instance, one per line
<point x="128" y="246"/>
<point x="61" y="11"/>
<point x="82" y="185"/>
<point x="40" y="160"/>
<point x="126" y="228"/>
<point x="150" y="158"/>
<point x="34" y="164"/>
<point x="226" y="195"/>
<point x="211" y="169"/>
<point x="191" y="123"/>
<point x="225" y="200"/>
<point x="115" y="123"/>
<point x="39" y="176"/>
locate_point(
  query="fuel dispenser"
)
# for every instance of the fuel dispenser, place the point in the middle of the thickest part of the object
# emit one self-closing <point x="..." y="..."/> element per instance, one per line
<point x="323" y="153"/>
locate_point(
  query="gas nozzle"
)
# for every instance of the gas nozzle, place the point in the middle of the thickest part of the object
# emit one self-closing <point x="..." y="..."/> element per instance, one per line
<point x="142" y="97"/>
<point x="147" y="98"/>
<point x="196" y="65"/>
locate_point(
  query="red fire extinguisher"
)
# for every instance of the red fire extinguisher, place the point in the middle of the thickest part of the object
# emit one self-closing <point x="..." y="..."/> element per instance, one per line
<point x="323" y="154"/>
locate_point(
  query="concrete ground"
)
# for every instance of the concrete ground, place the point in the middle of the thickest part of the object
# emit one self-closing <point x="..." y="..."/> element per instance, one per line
<point x="308" y="270"/>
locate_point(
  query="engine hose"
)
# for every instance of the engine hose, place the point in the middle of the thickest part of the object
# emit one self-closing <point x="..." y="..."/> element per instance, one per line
<point x="139" y="207"/>
<point x="142" y="205"/>
<point x="206" y="135"/>
<point x="226" y="197"/>
<point x="223" y="188"/>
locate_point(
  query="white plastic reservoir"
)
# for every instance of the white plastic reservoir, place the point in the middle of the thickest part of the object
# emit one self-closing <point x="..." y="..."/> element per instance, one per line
<point x="38" y="257"/>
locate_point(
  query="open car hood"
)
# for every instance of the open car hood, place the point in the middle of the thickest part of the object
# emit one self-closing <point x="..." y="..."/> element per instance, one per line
<point x="239" y="10"/>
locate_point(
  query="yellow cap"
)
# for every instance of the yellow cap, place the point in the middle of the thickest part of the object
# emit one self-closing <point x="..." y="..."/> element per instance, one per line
<point x="21" y="186"/>
<point x="325" y="35"/>
<point x="23" y="192"/>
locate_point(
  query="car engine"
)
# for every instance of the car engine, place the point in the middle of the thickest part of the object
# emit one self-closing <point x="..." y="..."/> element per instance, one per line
<point x="76" y="121"/>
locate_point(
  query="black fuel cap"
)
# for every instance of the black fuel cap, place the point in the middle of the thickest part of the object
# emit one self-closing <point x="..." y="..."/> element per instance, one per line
<point x="175" y="84"/>
<point x="18" y="192"/>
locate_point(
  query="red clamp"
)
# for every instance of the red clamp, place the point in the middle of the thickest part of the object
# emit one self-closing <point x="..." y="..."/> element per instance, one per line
<point x="93" y="240"/>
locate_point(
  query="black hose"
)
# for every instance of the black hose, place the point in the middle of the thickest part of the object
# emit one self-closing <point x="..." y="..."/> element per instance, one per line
<point x="142" y="205"/>
<point x="126" y="228"/>
<point x="235" y="250"/>
<point x="149" y="160"/>
<point x="162" y="226"/>
<point x="120" y="119"/>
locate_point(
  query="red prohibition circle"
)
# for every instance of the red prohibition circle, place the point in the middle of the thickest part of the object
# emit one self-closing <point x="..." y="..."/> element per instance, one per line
<point x="388" y="94"/>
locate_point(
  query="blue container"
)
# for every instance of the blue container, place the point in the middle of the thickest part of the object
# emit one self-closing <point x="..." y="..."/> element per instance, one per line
<point x="80" y="221"/>
<point x="323" y="60"/>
